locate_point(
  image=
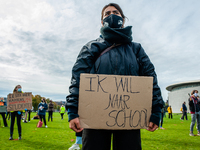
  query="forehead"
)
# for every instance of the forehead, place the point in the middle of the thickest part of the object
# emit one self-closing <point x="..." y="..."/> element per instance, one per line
<point x="18" y="86"/>
<point x="110" y="8"/>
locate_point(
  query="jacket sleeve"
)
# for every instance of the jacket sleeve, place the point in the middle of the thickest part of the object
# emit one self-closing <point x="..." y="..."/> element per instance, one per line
<point x="147" y="69"/>
<point x="83" y="64"/>
<point x="45" y="106"/>
<point x="191" y="102"/>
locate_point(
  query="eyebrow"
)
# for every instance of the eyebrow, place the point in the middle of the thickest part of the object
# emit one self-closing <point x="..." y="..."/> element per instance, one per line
<point x="112" y="11"/>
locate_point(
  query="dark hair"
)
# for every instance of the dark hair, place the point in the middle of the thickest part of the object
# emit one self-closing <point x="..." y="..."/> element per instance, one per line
<point x="193" y="92"/>
<point x="44" y="99"/>
<point x="114" y="5"/>
<point x="15" y="89"/>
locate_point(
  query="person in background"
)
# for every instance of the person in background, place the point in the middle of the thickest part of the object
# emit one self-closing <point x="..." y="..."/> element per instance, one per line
<point x="26" y="114"/>
<point x="18" y="114"/>
<point x="36" y="117"/>
<point x="184" y="111"/>
<point x="169" y="109"/>
<point x="50" y="111"/>
<point x="75" y="146"/>
<point x="62" y="111"/>
<point x="125" y="58"/>
<point x="3" y="113"/>
<point x="29" y="114"/>
<point x="42" y="107"/>
<point x="194" y="104"/>
<point x="166" y="106"/>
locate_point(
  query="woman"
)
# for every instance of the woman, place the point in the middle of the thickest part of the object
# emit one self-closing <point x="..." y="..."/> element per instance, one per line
<point x="18" y="114"/>
<point x="62" y="111"/>
<point x="42" y="107"/>
<point x="195" y="112"/>
<point x="126" y="58"/>
<point x="50" y="110"/>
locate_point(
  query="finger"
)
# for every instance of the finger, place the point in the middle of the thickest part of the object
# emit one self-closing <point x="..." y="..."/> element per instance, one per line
<point x="154" y="128"/>
<point x="150" y="126"/>
<point x="79" y="130"/>
<point x="72" y="126"/>
<point x="78" y="126"/>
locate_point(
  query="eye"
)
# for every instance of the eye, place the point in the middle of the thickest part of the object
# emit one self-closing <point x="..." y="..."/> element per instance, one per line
<point x="107" y="13"/>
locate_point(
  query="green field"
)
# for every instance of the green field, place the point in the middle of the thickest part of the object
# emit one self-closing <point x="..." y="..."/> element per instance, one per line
<point x="58" y="136"/>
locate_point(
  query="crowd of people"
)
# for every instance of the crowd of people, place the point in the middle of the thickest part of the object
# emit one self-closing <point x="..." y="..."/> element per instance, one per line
<point x="194" y="106"/>
<point x="25" y="114"/>
<point x="113" y="53"/>
<point x="193" y="101"/>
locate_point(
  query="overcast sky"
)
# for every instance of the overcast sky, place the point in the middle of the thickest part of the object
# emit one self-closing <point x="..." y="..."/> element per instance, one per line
<point x="40" y="40"/>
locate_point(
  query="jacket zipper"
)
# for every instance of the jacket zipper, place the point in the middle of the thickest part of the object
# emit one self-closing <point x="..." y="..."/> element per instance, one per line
<point x="115" y="61"/>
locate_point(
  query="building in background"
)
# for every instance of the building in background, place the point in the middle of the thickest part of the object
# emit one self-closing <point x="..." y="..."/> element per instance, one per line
<point x="179" y="92"/>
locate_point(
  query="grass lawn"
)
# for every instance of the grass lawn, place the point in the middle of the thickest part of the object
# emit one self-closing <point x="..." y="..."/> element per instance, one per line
<point x="58" y="135"/>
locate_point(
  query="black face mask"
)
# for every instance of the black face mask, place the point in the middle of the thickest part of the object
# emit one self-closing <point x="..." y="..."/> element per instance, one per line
<point x="113" y="21"/>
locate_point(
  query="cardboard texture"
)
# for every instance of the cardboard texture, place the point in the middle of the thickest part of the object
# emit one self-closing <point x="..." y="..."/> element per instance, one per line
<point x="115" y="102"/>
<point x="19" y="101"/>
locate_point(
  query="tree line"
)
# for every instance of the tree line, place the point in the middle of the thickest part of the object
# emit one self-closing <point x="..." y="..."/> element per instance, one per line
<point x="37" y="99"/>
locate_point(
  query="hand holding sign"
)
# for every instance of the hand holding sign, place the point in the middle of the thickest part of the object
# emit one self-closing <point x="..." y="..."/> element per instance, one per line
<point x="152" y="127"/>
<point x="74" y="124"/>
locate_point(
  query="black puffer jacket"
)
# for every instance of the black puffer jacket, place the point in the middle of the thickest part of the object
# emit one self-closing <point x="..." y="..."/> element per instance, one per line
<point x="126" y="59"/>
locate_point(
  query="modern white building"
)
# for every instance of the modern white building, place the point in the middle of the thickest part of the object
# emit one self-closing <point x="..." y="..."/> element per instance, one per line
<point x="179" y="92"/>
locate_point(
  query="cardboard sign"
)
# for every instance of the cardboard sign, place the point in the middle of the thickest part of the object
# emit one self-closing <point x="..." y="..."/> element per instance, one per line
<point x="19" y="101"/>
<point x="115" y="102"/>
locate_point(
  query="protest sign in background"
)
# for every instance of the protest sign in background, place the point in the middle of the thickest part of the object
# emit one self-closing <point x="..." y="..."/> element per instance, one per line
<point x="2" y="107"/>
<point x="115" y="102"/>
<point x="19" y="101"/>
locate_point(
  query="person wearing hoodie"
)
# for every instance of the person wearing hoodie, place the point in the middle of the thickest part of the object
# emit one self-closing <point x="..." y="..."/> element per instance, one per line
<point x="122" y="57"/>
<point x="42" y="107"/>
